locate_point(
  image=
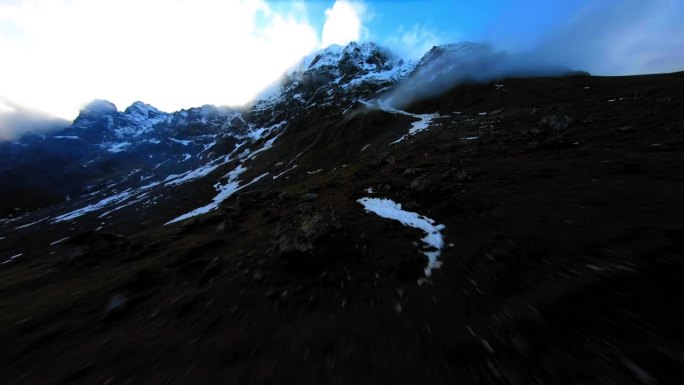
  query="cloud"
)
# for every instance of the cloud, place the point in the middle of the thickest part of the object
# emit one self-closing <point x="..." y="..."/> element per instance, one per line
<point x="16" y="120"/>
<point x="343" y="23"/>
<point x="414" y="42"/>
<point x="619" y="38"/>
<point x="603" y="37"/>
<point x="60" y="54"/>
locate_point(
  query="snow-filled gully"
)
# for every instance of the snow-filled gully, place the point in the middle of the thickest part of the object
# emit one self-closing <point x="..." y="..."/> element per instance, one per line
<point x="433" y="239"/>
<point x="418" y="126"/>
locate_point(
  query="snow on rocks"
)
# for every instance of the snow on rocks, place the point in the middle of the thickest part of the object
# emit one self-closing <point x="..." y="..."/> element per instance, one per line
<point x="225" y="191"/>
<point x="434" y="239"/>
<point x="421" y="124"/>
<point x="120" y="197"/>
<point x="284" y="172"/>
<point x="418" y="126"/>
<point x="232" y="186"/>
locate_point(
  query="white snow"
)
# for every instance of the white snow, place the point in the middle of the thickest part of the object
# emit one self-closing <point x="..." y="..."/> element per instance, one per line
<point x="141" y="119"/>
<point x="120" y="197"/>
<point x="66" y="137"/>
<point x="186" y="157"/>
<point x="284" y="172"/>
<point x="183" y="142"/>
<point x="262" y="132"/>
<point x="59" y="241"/>
<point x="139" y="198"/>
<point x="115" y="147"/>
<point x="30" y="224"/>
<point x="418" y="126"/>
<point x="10" y="259"/>
<point x="232" y="185"/>
<point x="421" y="124"/>
<point x="225" y="191"/>
<point x="176" y="179"/>
<point x="207" y="146"/>
<point x="387" y="208"/>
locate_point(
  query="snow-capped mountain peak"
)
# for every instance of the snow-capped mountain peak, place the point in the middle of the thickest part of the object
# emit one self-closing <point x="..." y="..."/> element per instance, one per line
<point x="142" y="110"/>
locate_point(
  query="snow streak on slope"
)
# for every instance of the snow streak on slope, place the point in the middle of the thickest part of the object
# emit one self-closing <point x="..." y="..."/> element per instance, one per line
<point x="421" y="125"/>
<point x="120" y="197"/>
<point x="135" y="195"/>
<point x="418" y="126"/>
<point x="225" y="191"/>
<point x="232" y="186"/>
<point x="387" y="208"/>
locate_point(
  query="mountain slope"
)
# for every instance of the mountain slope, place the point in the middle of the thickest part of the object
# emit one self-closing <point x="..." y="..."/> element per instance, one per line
<point x="516" y="231"/>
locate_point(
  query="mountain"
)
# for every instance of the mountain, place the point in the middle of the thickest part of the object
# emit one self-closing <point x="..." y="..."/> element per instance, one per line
<point x="349" y="226"/>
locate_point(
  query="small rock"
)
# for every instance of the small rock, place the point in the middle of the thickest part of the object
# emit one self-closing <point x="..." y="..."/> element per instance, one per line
<point x="117" y="304"/>
<point x="421" y="184"/>
<point x="313" y="302"/>
<point x="386" y="159"/>
<point x="223" y="226"/>
<point x="308" y="197"/>
<point x="463" y="177"/>
<point x="211" y="271"/>
<point x="626" y="128"/>
<point x="411" y="171"/>
<point x="397" y="308"/>
<point x="258" y="277"/>
<point x="555" y="122"/>
<point x="410" y="205"/>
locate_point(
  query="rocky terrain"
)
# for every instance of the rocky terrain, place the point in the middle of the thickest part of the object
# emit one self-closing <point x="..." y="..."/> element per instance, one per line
<point x="515" y="230"/>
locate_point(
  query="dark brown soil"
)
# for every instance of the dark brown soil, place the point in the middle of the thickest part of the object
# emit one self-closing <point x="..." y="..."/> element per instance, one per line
<point x="565" y="261"/>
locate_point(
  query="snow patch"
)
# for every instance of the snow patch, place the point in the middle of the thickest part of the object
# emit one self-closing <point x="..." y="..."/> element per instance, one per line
<point x="115" y="147"/>
<point x="418" y="126"/>
<point x="284" y="172"/>
<point x="59" y="241"/>
<point x="120" y="197"/>
<point x="30" y="224"/>
<point x="225" y="191"/>
<point x="183" y="142"/>
<point x="12" y="258"/>
<point x="422" y="124"/>
<point x="389" y="209"/>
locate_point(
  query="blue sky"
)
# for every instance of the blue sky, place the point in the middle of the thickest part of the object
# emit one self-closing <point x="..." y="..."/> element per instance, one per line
<point x="60" y="54"/>
<point x="524" y="24"/>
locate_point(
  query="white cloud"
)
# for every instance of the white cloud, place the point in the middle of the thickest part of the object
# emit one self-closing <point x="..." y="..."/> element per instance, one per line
<point x="343" y="23"/>
<point x="16" y="120"/>
<point x="60" y="54"/>
<point x="414" y="42"/>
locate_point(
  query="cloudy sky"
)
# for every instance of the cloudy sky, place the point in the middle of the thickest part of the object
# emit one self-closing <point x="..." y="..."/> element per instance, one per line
<point x="58" y="55"/>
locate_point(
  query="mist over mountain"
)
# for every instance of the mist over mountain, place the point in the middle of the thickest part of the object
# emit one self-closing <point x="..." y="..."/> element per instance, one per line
<point x="16" y="121"/>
